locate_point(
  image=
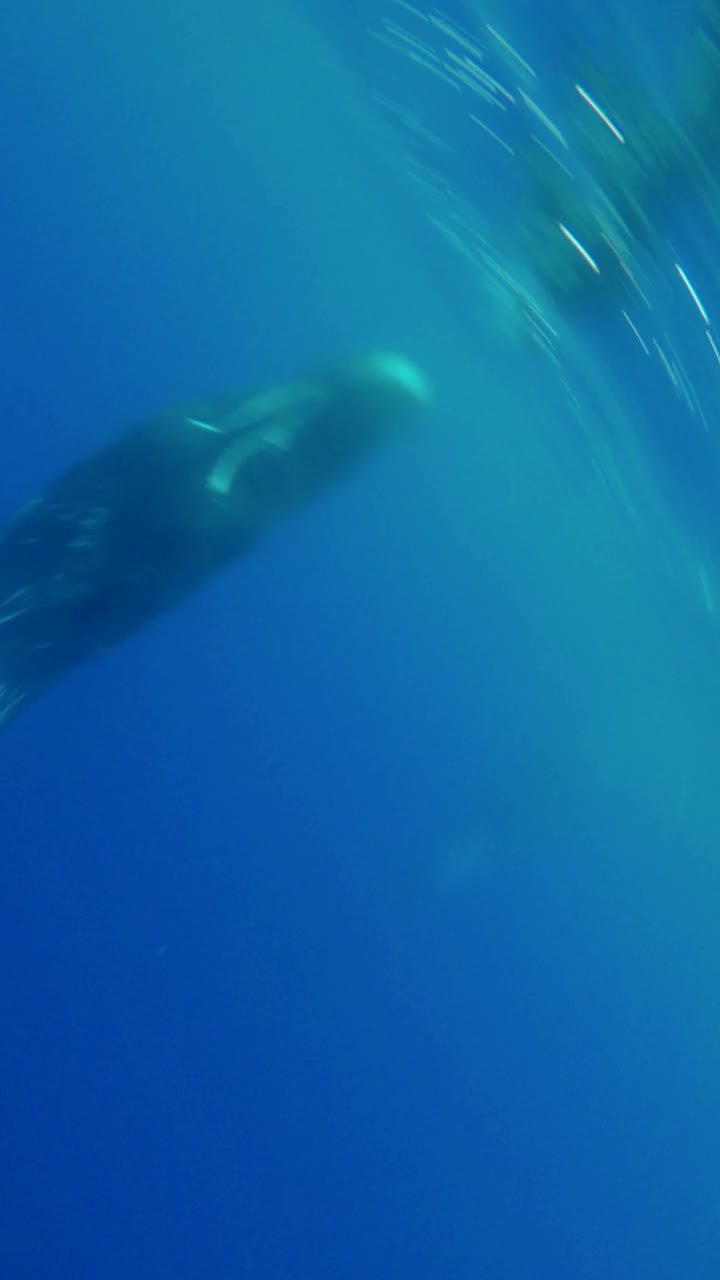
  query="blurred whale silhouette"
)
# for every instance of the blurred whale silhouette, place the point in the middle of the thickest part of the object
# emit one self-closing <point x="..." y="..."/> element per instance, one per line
<point x="129" y="531"/>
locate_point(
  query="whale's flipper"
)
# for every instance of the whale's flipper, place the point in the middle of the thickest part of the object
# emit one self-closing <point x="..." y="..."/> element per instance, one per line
<point x="132" y="529"/>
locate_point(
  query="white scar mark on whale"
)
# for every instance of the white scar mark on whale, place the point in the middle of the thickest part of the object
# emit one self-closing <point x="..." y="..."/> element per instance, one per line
<point x="22" y="593"/>
<point x="9" y="700"/>
<point x="205" y="426"/>
<point x="16" y="595"/>
<point x="17" y="614"/>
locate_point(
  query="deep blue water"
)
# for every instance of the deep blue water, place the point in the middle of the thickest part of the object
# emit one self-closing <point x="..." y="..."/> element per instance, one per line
<point x="360" y="916"/>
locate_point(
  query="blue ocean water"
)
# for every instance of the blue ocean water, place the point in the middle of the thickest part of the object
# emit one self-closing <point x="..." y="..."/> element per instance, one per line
<point x="360" y="916"/>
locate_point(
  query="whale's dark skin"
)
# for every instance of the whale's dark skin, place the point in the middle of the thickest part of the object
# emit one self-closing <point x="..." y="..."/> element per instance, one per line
<point x="129" y="531"/>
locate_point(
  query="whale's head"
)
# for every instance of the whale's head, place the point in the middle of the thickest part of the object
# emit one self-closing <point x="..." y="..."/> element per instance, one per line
<point x="363" y="403"/>
<point x="383" y="389"/>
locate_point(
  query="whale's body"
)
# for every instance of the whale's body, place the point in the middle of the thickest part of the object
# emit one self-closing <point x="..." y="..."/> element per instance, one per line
<point x="132" y="529"/>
